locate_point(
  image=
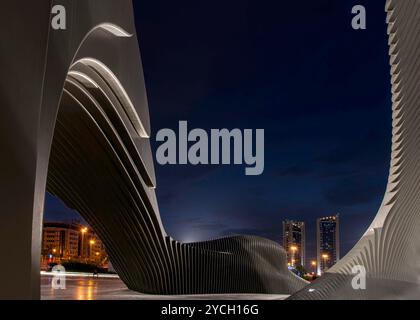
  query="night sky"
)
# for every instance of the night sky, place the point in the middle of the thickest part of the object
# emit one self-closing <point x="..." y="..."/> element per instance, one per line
<point x="297" y="69"/>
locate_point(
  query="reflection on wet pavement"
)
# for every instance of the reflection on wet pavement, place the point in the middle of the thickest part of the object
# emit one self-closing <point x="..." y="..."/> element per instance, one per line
<point x="86" y="287"/>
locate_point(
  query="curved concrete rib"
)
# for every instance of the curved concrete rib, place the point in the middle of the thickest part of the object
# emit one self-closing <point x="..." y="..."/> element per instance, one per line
<point x="390" y="248"/>
<point x="81" y="131"/>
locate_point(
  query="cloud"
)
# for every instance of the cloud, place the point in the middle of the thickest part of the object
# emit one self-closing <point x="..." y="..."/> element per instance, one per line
<point x="184" y="220"/>
<point x="295" y="171"/>
<point x="359" y="151"/>
<point x="210" y="226"/>
<point x="353" y="191"/>
<point x="56" y="210"/>
<point x="173" y="181"/>
<point x="339" y="155"/>
<point x="265" y="232"/>
<point x="338" y="173"/>
<point x="166" y="196"/>
<point x="184" y="173"/>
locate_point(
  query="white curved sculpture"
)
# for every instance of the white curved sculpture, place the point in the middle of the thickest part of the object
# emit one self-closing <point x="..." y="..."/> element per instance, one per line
<point x="389" y="250"/>
<point x="74" y="120"/>
<point x="65" y="113"/>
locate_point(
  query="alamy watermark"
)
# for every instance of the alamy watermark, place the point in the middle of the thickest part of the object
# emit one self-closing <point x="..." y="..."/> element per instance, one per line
<point x="58" y="281"/>
<point x="58" y="20"/>
<point x="359" y="20"/>
<point x="358" y="282"/>
<point x="176" y="150"/>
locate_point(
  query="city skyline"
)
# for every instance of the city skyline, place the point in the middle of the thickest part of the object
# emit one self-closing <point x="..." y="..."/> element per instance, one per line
<point x="293" y="241"/>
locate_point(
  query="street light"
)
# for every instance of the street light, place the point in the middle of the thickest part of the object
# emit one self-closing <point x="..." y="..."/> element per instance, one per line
<point x="82" y="243"/>
<point x="91" y="243"/>
<point x="294" y="249"/>
<point x="325" y="257"/>
<point x="313" y="264"/>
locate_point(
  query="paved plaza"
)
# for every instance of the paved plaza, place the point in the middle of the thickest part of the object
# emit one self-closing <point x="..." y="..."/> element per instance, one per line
<point x="109" y="287"/>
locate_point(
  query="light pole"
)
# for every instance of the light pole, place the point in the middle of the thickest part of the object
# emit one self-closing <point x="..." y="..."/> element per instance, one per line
<point x="91" y="243"/>
<point x="54" y="251"/>
<point x="324" y="259"/>
<point x="82" y="242"/>
<point x="294" y="249"/>
<point x="313" y="264"/>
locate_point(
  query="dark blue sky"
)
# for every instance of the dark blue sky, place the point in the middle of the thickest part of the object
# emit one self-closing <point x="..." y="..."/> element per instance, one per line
<point x="297" y="69"/>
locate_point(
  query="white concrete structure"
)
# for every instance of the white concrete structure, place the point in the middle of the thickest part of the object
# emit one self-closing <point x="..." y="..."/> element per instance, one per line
<point x="389" y="250"/>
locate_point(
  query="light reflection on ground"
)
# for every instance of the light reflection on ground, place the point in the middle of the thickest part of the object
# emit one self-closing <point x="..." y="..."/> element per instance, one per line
<point x="86" y="287"/>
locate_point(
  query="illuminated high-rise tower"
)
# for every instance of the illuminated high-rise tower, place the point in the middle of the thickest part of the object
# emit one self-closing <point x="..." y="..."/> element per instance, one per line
<point x="327" y="242"/>
<point x="294" y="242"/>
